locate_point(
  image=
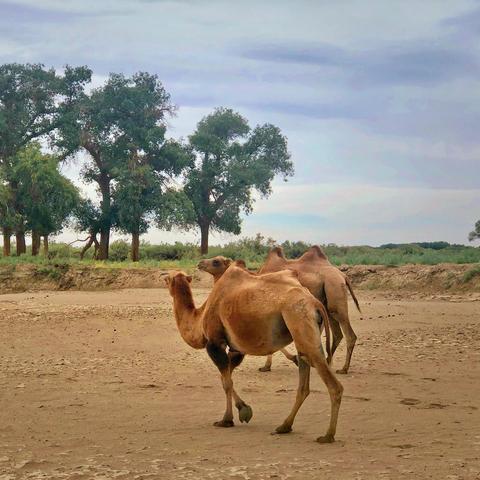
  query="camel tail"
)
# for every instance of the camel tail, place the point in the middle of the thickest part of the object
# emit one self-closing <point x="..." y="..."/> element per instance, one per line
<point x="349" y="285"/>
<point x="326" y="321"/>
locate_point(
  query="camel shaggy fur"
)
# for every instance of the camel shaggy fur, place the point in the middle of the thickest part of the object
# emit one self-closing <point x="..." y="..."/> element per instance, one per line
<point x="247" y="314"/>
<point x="327" y="283"/>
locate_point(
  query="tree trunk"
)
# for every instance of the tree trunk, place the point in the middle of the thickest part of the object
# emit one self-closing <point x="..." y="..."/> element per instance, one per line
<point x="97" y="247"/>
<point x="6" y="241"/>
<point x="86" y="247"/>
<point x="104" y="244"/>
<point x="204" y="229"/>
<point x="36" y="240"/>
<point x="135" y="247"/>
<point x="45" y="245"/>
<point x="21" y="245"/>
<point x="106" y="221"/>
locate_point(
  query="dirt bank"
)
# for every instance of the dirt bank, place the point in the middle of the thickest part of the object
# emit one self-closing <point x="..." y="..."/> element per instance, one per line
<point x="448" y="279"/>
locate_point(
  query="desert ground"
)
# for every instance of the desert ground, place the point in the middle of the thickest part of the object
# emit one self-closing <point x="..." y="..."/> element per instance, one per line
<point x="100" y="385"/>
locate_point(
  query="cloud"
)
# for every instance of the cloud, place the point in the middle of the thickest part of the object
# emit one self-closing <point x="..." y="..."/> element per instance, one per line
<point x="385" y="97"/>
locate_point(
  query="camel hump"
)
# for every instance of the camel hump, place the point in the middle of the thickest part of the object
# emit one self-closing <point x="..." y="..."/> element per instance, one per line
<point x="315" y="250"/>
<point x="240" y="263"/>
<point x="278" y="251"/>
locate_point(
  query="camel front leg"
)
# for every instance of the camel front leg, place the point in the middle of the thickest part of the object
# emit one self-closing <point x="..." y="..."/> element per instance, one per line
<point x="245" y="412"/>
<point x="302" y="393"/>
<point x="219" y="356"/>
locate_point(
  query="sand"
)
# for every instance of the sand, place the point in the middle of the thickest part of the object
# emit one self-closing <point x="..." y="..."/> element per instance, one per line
<point x="100" y="385"/>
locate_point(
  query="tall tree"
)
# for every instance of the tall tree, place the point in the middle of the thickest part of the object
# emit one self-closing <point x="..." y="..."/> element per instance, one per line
<point x="232" y="161"/>
<point x="48" y="198"/>
<point x="34" y="102"/>
<point x="115" y="124"/>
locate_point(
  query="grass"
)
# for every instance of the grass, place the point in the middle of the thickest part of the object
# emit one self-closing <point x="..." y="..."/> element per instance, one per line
<point x="471" y="274"/>
<point x="185" y="256"/>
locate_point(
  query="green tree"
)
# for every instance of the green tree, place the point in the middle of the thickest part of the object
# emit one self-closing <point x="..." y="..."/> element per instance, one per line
<point x="116" y="124"/>
<point x="475" y="234"/>
<point x="87" y="218"/>
<point x="8" y="217"/>
<point x="48" y="198"/>
<point x="232" y="161"/>
<point x="140" y="187"/>
<point x="34" y="102"/>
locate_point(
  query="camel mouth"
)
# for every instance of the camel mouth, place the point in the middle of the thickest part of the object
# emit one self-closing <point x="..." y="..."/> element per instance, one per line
<point x="201" y="266"/>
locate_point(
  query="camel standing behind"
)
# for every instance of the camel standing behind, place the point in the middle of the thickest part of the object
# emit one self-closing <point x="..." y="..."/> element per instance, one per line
<point x="257" y="315"/>
<point x="327" y="283"/>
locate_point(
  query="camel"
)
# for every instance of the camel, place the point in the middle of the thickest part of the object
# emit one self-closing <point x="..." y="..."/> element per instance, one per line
<point x="257" y="315"/>
<point x="216" y="267"/>
<point x="327" y="283"/>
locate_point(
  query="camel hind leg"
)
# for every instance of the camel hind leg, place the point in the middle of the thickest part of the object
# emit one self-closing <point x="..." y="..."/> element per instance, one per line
<point x="302" y="393"/>
<point x="340" y="317"/>
<point x="268" y="363"/>
<point x="337" y="306"/>
<point x="302" y="324"/>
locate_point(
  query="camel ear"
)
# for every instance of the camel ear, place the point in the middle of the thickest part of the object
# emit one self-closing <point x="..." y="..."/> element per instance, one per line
<point x="189" y="278"/>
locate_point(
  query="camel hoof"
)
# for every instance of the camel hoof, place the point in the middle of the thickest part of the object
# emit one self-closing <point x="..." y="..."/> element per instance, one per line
<point x="295" y="360"/>
<point x="283" y="429"/>
<point x="342" y="371"/>
<point x="245" y="413"/>
<point x="224" y="424"/>
<point x="264" y="369"/>
<point x="326" y="439"/>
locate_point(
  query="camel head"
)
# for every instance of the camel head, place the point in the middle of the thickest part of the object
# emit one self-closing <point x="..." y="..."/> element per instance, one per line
<point x="215" y="266"/>
<point x="176" y="278"/>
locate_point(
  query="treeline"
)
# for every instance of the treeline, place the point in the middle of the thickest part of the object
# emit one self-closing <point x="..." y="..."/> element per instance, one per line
<point x="254" y="251"/>
<point x="143" y="177"/>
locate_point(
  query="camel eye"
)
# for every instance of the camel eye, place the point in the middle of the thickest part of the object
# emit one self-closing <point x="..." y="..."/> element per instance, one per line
<point x="216" y="263"/>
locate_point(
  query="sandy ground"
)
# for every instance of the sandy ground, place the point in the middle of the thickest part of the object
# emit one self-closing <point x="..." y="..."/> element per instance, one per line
<point x="100" y="385"/>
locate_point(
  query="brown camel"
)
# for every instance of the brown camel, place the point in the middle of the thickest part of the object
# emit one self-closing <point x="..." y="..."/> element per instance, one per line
<point x="257" y="315"/>
<point x="327" y="283"/>
<point x="216" y="267"/>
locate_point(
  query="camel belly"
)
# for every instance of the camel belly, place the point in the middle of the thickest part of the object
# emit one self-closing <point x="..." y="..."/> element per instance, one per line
<point x="258" y="337"/>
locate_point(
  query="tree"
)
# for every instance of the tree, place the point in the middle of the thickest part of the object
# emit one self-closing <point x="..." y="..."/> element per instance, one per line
<point x="33" y="103"/>
<point x="140" y="187"/>
<point x="475" y="234"/>
<point x="8" y="218"/>
<point x="116" y="124"/>
<point x="87" y="218"/>
<point x="48" y="198"/>
<point x="232" y="161"/>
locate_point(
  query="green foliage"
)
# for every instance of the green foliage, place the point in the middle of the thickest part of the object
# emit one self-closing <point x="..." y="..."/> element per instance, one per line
<point x="232" y="161"/>
<point x="86" y="217"/>
<point x="34" y="102"/>
<point x="253" y="251"/>
<point x="165" y="251"/>
<point x="475" y="234"/>
<point x="471" y="274"/>
<point x="45" y="197"/>
<point x="119" y="251"/>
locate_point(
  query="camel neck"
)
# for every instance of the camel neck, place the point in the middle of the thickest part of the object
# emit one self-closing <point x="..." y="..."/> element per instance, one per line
<point x="188" y="318"/>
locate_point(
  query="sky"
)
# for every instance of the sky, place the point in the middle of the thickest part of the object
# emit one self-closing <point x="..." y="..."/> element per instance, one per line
<point x="380" y="100"/>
